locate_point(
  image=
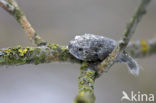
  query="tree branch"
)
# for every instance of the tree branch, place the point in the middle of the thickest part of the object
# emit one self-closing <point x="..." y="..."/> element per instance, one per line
<point x="53" y="52"/>
<point x="31" y="55"/>
<point x="12" y="8"/>
<point x="56" y="53"/>
<point x="109" y="61"/>
<point x="86" y="84"/>
<point x="142" y="48"/>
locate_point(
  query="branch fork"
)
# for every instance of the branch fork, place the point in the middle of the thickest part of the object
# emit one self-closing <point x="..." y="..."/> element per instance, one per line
<point x="46" y="52"/>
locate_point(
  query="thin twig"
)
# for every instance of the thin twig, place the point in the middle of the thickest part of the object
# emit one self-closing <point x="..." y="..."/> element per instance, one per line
<point x="109" y="61"/>
<point x="12" y="8"/>
<point x="6" y="6"/>
<point x="142" y="48"/>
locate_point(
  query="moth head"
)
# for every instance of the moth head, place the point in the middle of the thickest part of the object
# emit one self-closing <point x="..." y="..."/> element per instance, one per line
<point x="76" y="49"/>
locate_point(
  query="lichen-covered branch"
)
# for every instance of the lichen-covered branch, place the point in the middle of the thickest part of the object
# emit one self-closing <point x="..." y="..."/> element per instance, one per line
<point x="35" y="55"/>
<point x="109" y="61"/>
<point x="86" y="84"/>
<point x="47" y="53"/>
<point x="142" y="48"/>
<point x="54" y="52"/>
<point x="12" y="8"/>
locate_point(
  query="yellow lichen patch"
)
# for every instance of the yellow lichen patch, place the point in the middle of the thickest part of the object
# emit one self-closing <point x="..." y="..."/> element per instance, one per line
<point x="90" y="80"/>
<point x="144" y="45"/>
<point x="81" y="82"/>
<point x="7" y="50"/>
<point x="55" y="46"/>
<point x="84" y="64"/>
<point x="25" y="50"/>
<point x="82" y="93"/>
<point x="30" y="49"/>
<point x="22" y="51"/>
<point x="89" y="73"/>
<point x="87" y="89"/>
<point x="63" y="48"/>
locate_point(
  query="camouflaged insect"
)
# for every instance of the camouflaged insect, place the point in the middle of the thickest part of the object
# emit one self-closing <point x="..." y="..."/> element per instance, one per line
<point x="91" y="47"/>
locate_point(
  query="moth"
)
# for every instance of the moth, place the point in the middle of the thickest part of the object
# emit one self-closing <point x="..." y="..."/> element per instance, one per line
<point x="90" y="47"/>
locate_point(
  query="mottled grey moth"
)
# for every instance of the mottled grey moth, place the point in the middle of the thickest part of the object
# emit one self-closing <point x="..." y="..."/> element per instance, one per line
<point x="91" y="47"/>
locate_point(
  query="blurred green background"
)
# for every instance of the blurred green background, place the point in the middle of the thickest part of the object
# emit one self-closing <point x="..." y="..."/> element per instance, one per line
<point x="58" y="21"/>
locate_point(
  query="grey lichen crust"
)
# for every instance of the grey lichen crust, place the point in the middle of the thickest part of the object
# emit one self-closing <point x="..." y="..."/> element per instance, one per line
<point x="89" y="47"/>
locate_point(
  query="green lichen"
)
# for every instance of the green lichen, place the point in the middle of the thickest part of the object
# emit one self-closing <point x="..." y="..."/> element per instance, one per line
<point x="38" y="56"/>
<point x="17" y="55"/>
<point x="63" y="48"/>
<point x="23" y="51"/>
<point x="64" y="55"/>
<point x="84" y="65"/>
<point x="14" y="55"/>
<point x="86" y="84"/>
<point x="145" y="47"/>
<point x="38" y="41"/>
<point x="17" y="14"/>
<point x="54" y="46"/>
<point x="81" y="99"/>
<point x="60" y="52"/>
